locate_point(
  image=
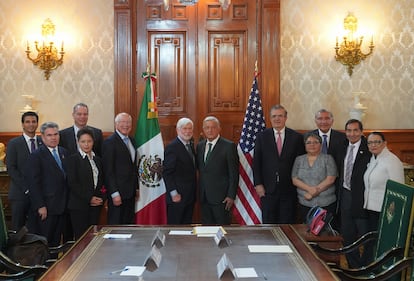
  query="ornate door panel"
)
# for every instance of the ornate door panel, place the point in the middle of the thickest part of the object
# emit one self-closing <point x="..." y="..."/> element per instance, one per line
<point x="204" y="58"/>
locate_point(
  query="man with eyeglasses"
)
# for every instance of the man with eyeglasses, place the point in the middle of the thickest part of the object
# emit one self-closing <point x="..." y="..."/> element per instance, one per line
<point x="354" y="218"/>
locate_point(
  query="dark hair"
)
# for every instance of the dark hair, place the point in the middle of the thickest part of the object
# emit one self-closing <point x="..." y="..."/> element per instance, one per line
<point x="312" y="135"/>
<point x="85" y="131"/>
<point x="378" y="134"/>
<point x="30" y="113"/>
<point x="351" y="121"/>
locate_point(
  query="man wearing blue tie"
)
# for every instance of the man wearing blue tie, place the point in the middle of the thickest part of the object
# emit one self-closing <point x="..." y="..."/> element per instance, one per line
<point x="48" y="189"/>
<point x="18" y="150"/>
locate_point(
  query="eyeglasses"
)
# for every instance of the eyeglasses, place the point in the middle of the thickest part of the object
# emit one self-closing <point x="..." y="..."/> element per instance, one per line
<point x="312" y="142"/>
<point x="377" y="142"/>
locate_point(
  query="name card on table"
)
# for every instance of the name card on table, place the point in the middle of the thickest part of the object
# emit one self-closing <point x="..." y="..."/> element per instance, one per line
<point x="159" y="239"/>
<point x="153" y="260"/>
<point x="220" y="239"/>
<point x="225" y="268"/>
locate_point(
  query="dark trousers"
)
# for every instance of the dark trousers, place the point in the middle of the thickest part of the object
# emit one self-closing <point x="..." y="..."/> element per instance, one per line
<point x="123" y="214"/>
<point x="19" y="212"/>
<point x="83" y="219"/>
<point x="351" y="229"/>
<point x="51" y="227"/>
<point x="179" y="213"/>
<point x="215" y="214"/>
<point x="278" y="209"/>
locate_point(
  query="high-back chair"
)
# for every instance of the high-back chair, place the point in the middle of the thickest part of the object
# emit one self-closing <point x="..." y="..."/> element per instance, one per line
<point x="393" y="238"/>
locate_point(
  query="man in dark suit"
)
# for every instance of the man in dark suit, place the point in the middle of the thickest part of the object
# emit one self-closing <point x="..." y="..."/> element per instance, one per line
<point x="18" y="150"/>
<point x="354" y="218"/>
<point x="334" y="141"/>
<point x="274" y="154"/>
<point x="218" y="165"/>
<point x="120" y="170"/>
<point x="179" y="174"/>
<point x="47" y="186"/>
<point x="68" y="140"/>
<point x="80" y="116"/>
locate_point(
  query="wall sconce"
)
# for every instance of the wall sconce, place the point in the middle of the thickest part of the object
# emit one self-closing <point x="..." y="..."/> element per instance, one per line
<point x="47" y="54"/>
<point x="349" y="51"/>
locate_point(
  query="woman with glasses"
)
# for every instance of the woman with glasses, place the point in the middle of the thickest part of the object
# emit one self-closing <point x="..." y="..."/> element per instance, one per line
<point x="314" y="175"/>
<point x="383" y="166"/>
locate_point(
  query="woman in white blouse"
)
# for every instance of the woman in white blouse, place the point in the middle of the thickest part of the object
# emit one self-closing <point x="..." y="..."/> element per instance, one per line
<point x="383" y="166"/>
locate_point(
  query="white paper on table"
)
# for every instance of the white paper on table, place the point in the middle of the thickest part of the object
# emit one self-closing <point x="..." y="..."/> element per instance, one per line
<point x="133" y="270"/>
<point x="245" y="272"/>
<point x="117" y="236"/>
<point x="181" y="232"/>
<point x="207" y="231"/>
<point x="269" y="249"/>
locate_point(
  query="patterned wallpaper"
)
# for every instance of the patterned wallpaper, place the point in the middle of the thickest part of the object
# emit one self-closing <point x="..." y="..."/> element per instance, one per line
<point x="86" y="74"/>
<point x="310" y="76"/>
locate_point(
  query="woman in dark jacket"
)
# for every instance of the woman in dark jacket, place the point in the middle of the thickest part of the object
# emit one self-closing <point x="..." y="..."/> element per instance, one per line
<point x="85" y="179"/>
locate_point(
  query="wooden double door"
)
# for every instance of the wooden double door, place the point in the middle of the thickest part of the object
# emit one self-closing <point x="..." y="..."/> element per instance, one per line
<point x="204" y="57"/>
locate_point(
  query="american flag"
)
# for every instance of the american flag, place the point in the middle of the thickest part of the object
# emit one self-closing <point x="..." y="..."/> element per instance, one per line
<point x="247" y="204"/>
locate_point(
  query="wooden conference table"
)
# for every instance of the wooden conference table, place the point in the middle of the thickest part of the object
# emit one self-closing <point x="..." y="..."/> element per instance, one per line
<point x="188" y="257"/>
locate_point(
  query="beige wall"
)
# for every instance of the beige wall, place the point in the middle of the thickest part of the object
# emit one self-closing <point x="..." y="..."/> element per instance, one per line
<point x="87" y="71"/>
<point x="310" y="76"/>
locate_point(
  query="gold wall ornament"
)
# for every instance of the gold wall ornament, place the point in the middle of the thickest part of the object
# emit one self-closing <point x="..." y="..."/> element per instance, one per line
<point x="349" y="51"/>
<point x="47" y="54"/>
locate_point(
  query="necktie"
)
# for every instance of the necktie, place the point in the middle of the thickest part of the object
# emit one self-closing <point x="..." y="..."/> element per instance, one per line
<point x="131" y="152"/>
<point x="126" y="141"/>
<point x="32" y="145"/>
<point x="349" y="165"/>
<point x="279" y="143"/>
<point x="56" y="156"/>
<point x="190" y="151"/>
<point x="208" y="152"/>
<point x="325" y="144"/>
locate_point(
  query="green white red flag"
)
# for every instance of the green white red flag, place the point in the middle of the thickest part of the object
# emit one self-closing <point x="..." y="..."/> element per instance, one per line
<point x="151" y="206"/>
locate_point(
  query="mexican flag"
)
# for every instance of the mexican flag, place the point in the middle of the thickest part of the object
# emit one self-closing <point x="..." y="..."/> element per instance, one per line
<point x="151" y="206"/>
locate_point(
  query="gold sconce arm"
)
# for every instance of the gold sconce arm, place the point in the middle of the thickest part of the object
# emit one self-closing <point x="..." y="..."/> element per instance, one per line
<point x="48" y="57"/>
<point x="348" y="52"/>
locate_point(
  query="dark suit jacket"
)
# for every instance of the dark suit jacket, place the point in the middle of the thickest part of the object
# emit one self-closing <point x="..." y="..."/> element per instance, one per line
<point x="272" y="170"/>
<point x="179" y="171"/>
<point x="357" y="178"/>
<point x="47" y="182"/>
<point x="219" y="177"/>
<point x="336" y="145"/>
<point x="16" y="159"/>
<point x="121" y="173"/>
<point x="80" y="181"/>
<point x="68" y="140"/>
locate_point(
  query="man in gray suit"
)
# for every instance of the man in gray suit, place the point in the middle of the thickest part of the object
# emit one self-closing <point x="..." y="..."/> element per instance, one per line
<point x="18" y="150"/>
<point x="218" y="164"/>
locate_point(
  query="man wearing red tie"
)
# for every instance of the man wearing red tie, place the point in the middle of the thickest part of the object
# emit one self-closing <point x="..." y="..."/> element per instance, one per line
<point x="274" y="154"/>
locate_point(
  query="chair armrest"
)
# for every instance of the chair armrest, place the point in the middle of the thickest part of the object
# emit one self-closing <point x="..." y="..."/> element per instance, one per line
<point x="382" y="276"/>
<point x="373" y="235"/>
<point x="376" y="265"/>
<point x="16" y="268"/>
<point x="61" y="248"/>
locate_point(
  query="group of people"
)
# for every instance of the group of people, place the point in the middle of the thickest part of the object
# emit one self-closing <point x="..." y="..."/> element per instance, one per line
<point x="61" y="179"/>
